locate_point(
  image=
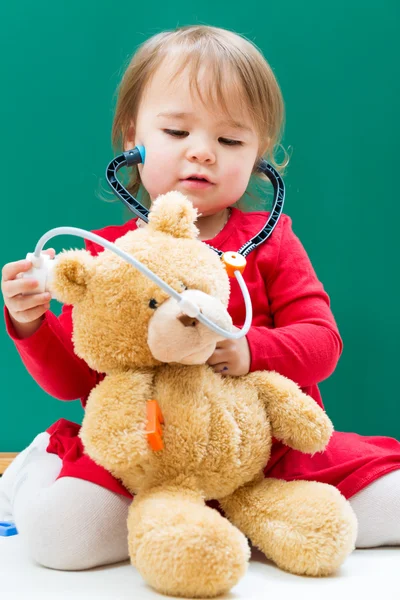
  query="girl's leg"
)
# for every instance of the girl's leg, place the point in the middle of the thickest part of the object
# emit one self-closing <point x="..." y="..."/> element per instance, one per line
<point x="66" y="523"/>
<point x="377" y="507"/>
<point x="72" y="524"/>
<point x="17" y="469"/>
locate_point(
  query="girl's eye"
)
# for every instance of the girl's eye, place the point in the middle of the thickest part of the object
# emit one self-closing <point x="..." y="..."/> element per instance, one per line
<point x="181" y="134"/>
<point x="228" y="142"/>
<point x="176" y="132"/>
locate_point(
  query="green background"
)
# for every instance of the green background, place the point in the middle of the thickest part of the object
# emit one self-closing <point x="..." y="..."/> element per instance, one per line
<point x="337" y="64"/>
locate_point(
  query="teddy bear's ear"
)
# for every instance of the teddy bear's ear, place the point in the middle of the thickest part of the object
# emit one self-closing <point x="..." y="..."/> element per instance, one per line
<point x="174" y="214"/>
<point x="70" y="275"/>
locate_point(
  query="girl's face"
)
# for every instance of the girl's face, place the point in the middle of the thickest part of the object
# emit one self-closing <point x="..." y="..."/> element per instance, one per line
<point x="185" y="140"/>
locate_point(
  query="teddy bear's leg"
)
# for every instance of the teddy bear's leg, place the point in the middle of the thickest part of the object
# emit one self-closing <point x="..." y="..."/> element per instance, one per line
<point x="305" y="527"/>
<point x="182" y="547"/>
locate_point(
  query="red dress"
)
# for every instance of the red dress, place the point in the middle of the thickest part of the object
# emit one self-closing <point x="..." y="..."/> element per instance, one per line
<point x="293" y="332"/>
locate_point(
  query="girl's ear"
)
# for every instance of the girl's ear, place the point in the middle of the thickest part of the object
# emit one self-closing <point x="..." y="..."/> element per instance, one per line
<point x="70" y="276"/>
<point x="129" y="137"/>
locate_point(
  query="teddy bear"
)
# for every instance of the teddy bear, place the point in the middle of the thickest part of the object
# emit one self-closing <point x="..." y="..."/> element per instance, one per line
<point x="177" y="434"/>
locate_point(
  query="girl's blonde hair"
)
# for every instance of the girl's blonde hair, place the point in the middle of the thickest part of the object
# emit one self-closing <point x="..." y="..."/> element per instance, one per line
<point x="233" y="64"/>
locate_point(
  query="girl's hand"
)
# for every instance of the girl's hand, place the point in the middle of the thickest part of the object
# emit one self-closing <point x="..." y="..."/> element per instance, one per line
<point x="25" y="311"/>
<point x="231" y="357"/>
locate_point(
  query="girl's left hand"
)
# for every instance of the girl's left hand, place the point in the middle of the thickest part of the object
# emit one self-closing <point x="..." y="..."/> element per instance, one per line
<point x="231" y="357"/>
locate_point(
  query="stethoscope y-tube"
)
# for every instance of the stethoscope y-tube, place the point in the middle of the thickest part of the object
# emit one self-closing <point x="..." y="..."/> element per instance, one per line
<point x="137" y="155"/>
<point x="188" y="307"/>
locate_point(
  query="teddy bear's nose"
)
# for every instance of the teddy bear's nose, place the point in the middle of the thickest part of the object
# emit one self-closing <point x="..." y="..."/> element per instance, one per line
<point x="187" y="321"/>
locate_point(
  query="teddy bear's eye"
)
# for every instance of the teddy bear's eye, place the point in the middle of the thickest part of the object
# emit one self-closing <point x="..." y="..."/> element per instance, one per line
<point x="153" y="303"/>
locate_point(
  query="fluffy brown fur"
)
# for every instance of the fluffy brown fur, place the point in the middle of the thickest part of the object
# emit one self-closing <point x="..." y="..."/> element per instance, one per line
<point x="217" y="431"/>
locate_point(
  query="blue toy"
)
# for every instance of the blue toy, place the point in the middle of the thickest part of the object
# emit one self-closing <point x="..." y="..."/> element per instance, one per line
<point x="7" y="528"/>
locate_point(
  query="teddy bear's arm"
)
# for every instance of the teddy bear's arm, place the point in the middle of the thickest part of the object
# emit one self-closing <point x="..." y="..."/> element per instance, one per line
<point x="113" y="428"/>
<point x="296" y="418"/>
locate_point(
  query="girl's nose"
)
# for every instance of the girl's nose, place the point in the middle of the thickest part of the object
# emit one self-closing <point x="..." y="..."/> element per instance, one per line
<point x="202" y="154"/>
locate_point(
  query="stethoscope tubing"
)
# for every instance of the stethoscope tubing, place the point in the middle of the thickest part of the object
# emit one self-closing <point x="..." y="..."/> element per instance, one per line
<point x="136" y="156"/>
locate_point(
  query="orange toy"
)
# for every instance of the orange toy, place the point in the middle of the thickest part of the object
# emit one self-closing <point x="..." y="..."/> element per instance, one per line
<point x="153" y="428"/>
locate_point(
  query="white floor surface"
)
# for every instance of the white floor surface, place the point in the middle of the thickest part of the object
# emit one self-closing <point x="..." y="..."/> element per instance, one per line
<point x="366" y="575"/>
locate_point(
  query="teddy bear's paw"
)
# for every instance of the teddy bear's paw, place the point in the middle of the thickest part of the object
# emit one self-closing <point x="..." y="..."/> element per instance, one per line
<point x="186" y="549"/>
<point x="321" y="534"/>
<point x="305" y="527"/>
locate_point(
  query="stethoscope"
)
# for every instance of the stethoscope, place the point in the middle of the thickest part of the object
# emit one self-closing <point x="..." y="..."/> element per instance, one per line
<point x="42" y="265"/>
<point x="137" y="155"/>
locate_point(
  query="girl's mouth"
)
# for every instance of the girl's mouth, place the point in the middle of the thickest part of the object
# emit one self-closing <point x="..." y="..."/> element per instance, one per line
<point x="196" y="183"/>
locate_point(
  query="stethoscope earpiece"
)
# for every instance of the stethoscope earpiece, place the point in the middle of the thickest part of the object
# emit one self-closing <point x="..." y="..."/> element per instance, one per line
<point x="135" y="156"/>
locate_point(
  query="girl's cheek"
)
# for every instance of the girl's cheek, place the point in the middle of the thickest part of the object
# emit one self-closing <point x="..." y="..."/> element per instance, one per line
<point x="158" y="163"/>
<point x="237" y="176"/>
<point x="152" y="179"/>
<point x="157" y="154"/>
<point x="234" y="168"/>
<point x="156" y="175"/>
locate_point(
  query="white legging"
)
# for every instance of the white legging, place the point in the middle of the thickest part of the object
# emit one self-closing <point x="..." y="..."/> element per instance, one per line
<point x="67" y="523"/>
<point x="72" y="524"/>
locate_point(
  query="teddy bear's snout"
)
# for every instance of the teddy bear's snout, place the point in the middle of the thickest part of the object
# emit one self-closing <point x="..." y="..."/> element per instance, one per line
<point x="187" y="321"/>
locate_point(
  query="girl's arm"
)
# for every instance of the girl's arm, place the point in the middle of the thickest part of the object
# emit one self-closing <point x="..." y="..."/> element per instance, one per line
<point x="48" y="354"/>
<point x="305" y="344"/>
<point x="49" y="357"/>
